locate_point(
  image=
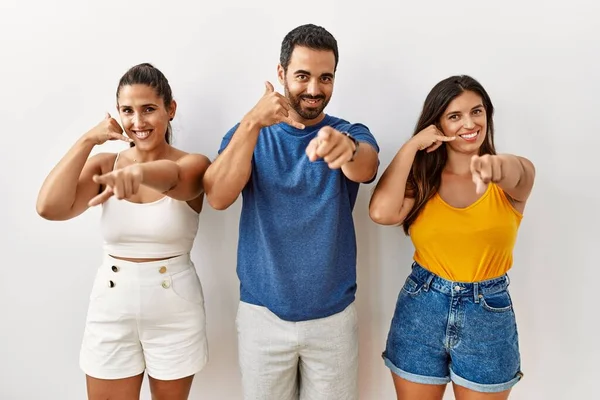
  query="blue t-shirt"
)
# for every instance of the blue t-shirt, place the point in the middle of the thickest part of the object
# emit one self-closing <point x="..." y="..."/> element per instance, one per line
<point x="297" y="245"/>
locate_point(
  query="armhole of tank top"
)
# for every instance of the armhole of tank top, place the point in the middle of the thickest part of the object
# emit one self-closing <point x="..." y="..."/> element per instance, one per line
<point x="508" y="201"/>
<point x="101" y="189"/>
<point x="116" y="159"/>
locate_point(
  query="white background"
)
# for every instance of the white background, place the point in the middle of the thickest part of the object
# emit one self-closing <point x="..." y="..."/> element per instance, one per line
<point x="61" y="62"/>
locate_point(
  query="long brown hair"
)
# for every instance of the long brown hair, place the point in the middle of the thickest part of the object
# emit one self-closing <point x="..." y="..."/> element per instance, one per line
<point x="426" y="173"/>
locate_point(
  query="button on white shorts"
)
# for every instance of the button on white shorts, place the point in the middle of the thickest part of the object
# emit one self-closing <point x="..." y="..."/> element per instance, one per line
<point x="145" y="316"/>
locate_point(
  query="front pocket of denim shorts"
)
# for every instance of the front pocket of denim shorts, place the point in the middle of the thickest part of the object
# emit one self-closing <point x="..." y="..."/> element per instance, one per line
<point x="186" y="285"/>
<point x="497" y="302"/>
<point x="411" y="287"/>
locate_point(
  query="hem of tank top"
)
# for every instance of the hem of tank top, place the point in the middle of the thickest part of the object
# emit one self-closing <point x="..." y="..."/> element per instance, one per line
<point x="146" y="258"/>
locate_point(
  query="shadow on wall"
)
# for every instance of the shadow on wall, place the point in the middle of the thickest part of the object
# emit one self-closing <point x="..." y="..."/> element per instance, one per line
<point x="215" y="255"/>
<point x="379" y="282"/>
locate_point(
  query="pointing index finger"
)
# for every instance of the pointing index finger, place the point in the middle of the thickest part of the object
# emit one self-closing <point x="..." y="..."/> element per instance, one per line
<point x="120" y="136"/>
<point x="101" y="179"/>
<point x="445" y="138"/>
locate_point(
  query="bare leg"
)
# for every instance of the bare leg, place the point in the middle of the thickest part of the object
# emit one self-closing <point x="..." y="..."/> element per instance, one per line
<point x="462" y="393"/>
<point x="177" y="389"/>
<point x="406" y="390"/>
<point x="114" y="389"/>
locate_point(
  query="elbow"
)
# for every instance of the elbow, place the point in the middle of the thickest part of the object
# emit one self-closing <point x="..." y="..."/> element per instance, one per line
<point x="383" y="217"/>
<point x="367" y="177"/>
<point x="45" y="212"/>
<point x="364" y="175"/>
<point x="217" y="197"/>
<point x="218" y="203"/>
<point x="52" y="212"/>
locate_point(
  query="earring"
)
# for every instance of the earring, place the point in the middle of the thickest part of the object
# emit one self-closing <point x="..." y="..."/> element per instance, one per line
<point x="171" y="119"/>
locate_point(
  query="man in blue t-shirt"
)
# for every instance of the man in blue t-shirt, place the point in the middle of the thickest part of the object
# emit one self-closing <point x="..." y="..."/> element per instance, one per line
<point x="298" y="170"/>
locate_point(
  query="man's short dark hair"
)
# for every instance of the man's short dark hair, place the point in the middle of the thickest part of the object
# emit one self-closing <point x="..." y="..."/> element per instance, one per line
<point x="311" y="36"/>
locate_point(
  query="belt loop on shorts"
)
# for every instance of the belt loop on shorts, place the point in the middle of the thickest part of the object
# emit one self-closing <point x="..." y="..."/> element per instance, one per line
<point x="428" y="282"/>
<point x="476" y="292"/>
<point x="507" y="280"/>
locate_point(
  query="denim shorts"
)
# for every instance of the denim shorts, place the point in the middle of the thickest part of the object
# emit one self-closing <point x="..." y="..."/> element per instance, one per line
<point x="446" y="331"/>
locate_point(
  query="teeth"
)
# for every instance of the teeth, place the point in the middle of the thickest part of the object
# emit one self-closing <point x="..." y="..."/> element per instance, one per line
<point x="470" y="136"/>
<point x="142" y="134"/>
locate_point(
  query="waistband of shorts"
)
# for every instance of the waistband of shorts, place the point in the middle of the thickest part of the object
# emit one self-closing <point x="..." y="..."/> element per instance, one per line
<point x="168" y="266"/>
<point x="431" y="280"/>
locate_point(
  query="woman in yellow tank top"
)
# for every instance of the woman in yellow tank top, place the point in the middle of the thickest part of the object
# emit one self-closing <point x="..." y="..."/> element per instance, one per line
<point x="461" y="203"/>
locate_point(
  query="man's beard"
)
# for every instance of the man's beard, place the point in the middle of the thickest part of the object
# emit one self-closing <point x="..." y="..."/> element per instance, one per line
<point x="306" y="113"/>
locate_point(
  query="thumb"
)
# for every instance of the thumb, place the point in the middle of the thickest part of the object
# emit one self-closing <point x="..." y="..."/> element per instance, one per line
<point x="475" y="164"/>
<point x="480" y="185"/>
<point x="101" y="198"/>
<point x="311" y="150"/>
<point x="107" y="115"/>
<point x="269" y="87"/>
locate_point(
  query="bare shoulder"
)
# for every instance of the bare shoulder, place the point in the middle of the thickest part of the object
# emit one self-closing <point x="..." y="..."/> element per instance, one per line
<point x="183" y="157"/>
<point x="103" y="161"/>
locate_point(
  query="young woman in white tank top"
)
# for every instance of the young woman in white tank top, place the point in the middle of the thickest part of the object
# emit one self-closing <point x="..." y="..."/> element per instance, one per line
<point x="146" y="310"/>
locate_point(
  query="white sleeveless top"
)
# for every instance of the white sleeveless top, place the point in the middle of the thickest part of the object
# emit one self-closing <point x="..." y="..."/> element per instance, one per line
<point x="163" y="228"/>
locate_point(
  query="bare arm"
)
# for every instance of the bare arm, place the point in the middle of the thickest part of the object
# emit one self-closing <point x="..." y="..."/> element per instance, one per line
<point x="518" y="176"/>
<point x="337" y="149"/>
<point x="226" y="177"/>
<point x="389" y="204"/>
<point x="181" y="179"/>
<point x="364" y="166"/>
<point x="513" y="174"/>
<point x="69" y="186"/>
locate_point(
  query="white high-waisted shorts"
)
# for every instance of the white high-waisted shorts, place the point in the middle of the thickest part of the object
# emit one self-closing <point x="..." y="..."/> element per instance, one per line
<point x="145" y="316"/>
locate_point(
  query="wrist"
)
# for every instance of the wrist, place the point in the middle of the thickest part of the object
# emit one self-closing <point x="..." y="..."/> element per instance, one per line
<point x="410" y="146"/>
<point x="250" y="122"/>
<point x="506" y="159"/>
<point x="138" y="170"/>
<point x="355" y="145"/>
<point x="88" y="140"/>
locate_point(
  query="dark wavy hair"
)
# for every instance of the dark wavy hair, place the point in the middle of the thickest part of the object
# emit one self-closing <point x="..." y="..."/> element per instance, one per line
<point x="426" y="172"/>
<point x="311" y="36"/>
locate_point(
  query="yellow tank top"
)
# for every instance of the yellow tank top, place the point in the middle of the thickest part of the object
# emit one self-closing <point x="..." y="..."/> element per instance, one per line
<point x="468" y="244"/>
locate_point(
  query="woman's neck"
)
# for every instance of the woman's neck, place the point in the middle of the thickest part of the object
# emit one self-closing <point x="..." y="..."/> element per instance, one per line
<point x="158" y="153"/>
<point x="458" y="163"/>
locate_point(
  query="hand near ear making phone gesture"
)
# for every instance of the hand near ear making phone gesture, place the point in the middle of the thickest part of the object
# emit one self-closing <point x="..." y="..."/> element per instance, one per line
<point x="430" y="139"/>
<point x="273" y="108"/>
<point x="107" y="129"/>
